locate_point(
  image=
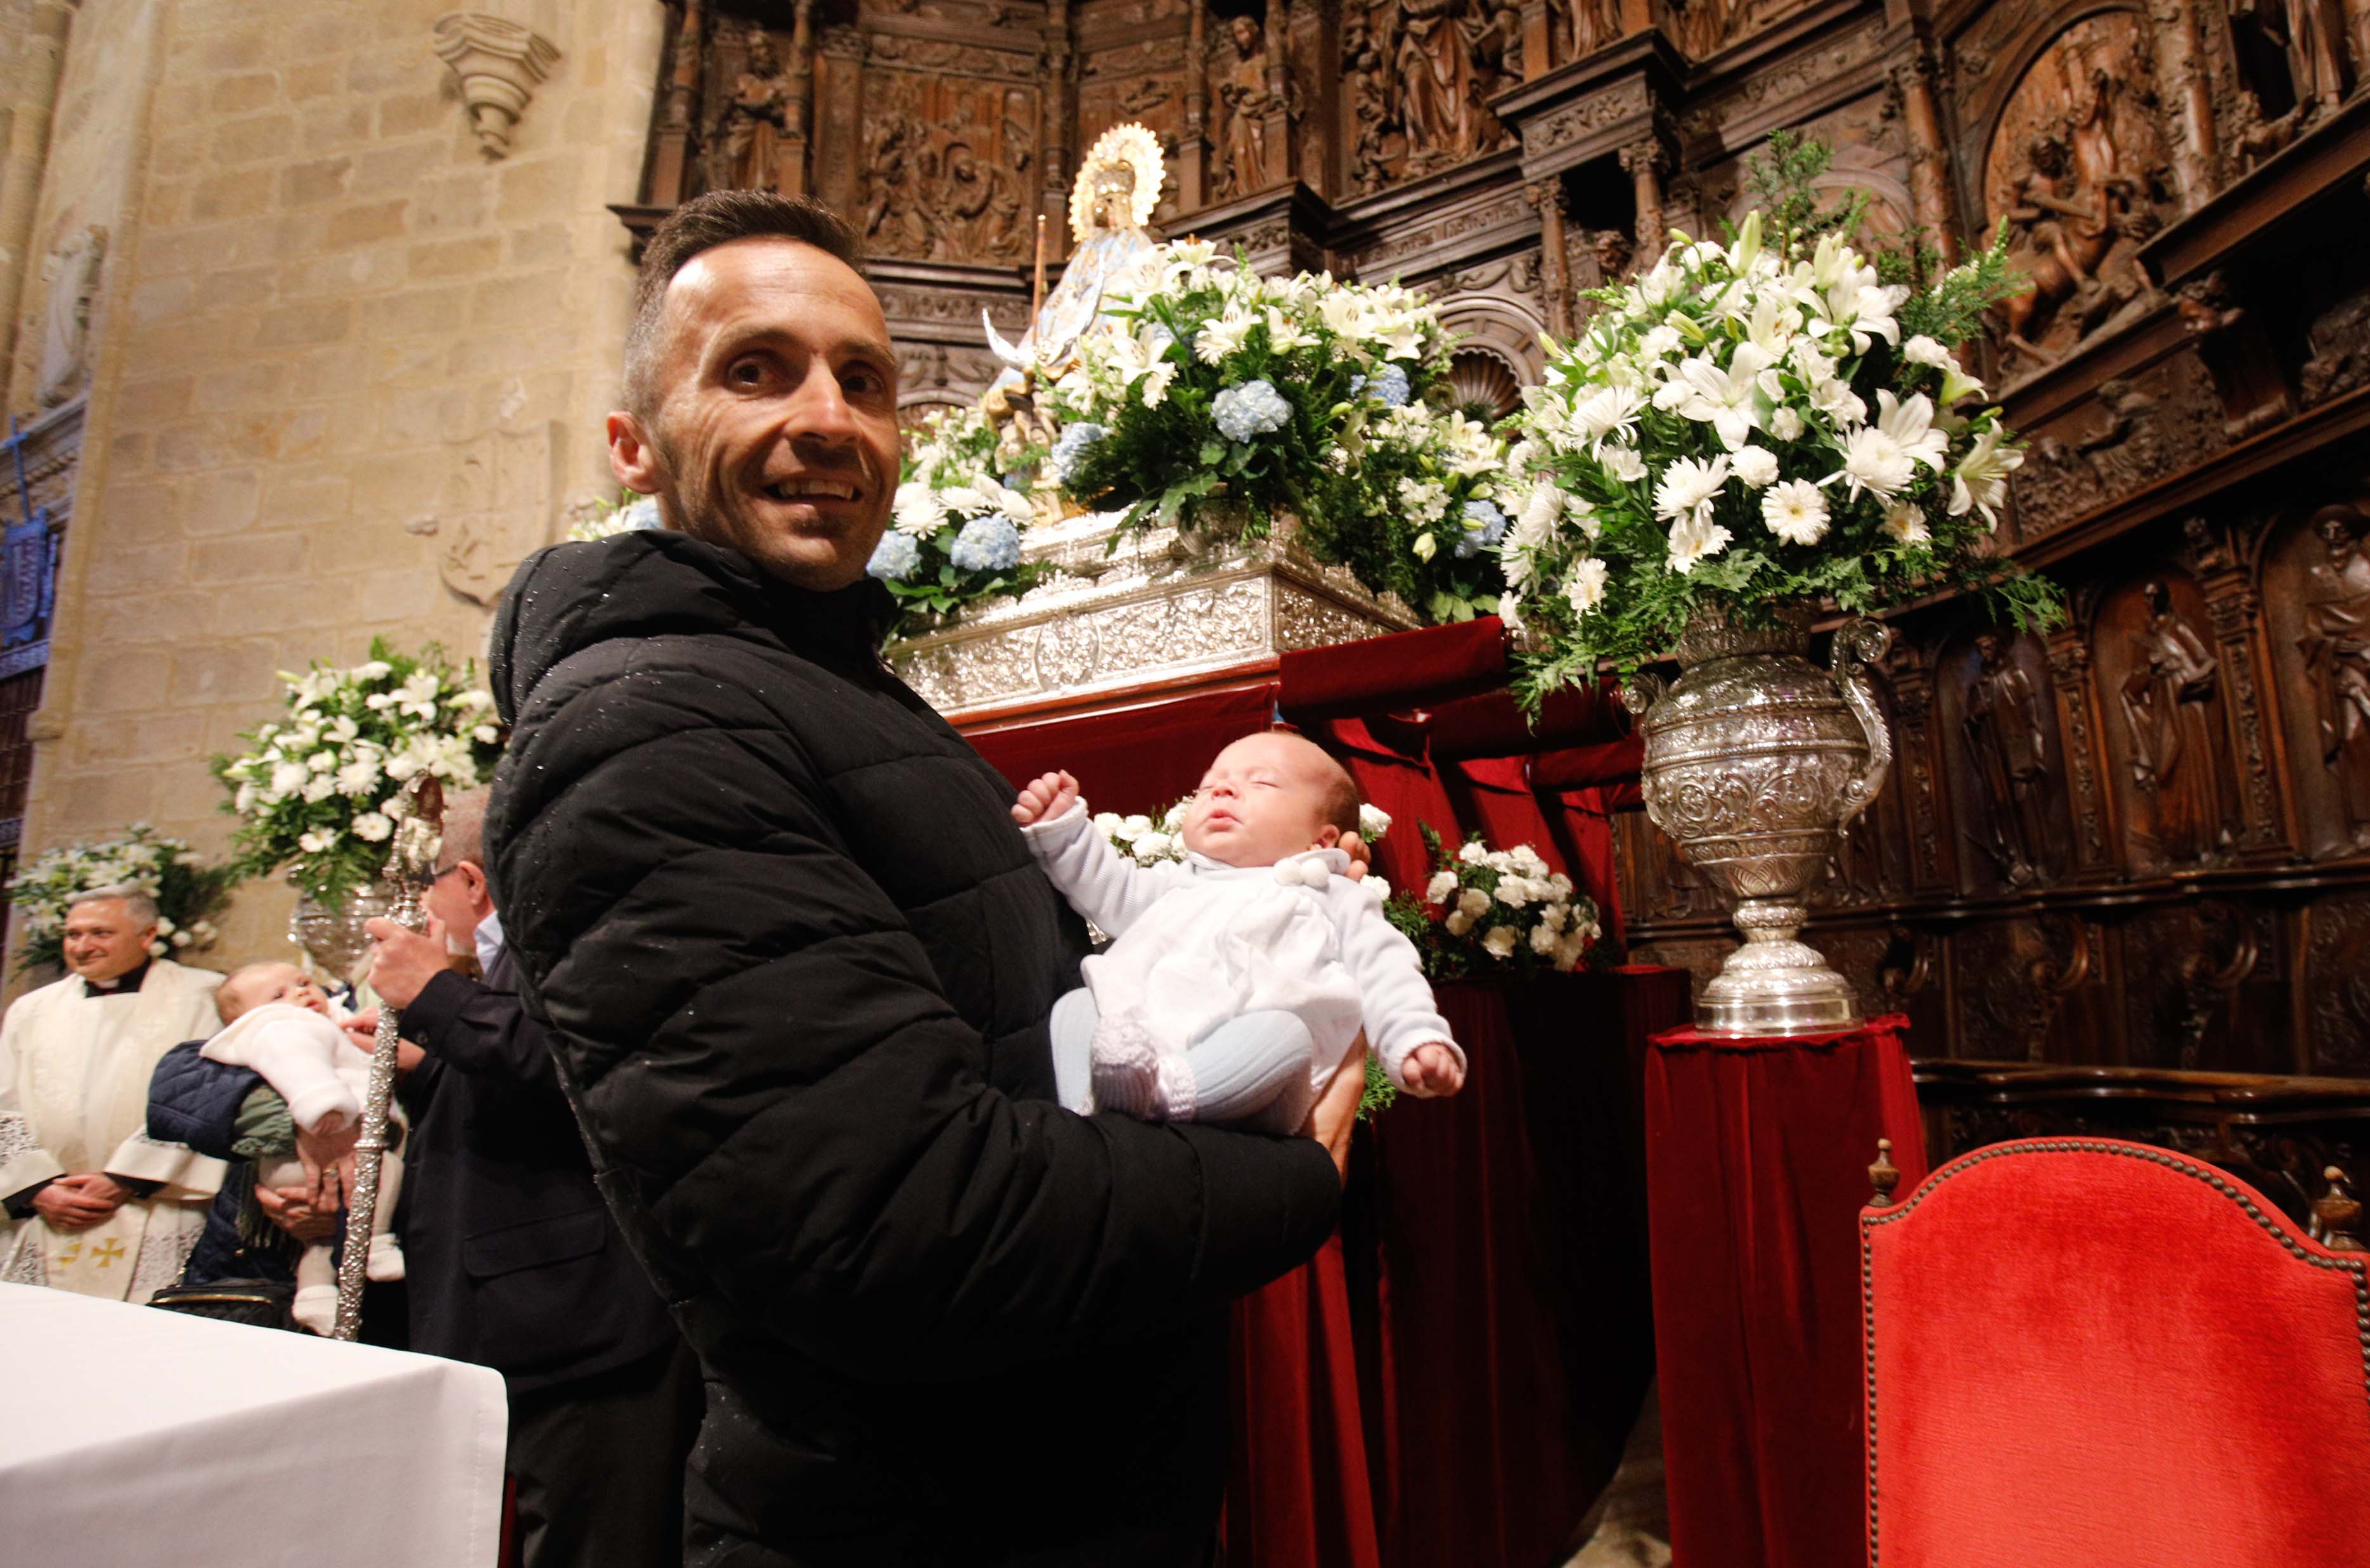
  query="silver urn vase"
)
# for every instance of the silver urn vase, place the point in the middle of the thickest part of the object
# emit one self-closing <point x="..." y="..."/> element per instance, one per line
<point x="330" y="932"/>
<point x="1757" y="760"/>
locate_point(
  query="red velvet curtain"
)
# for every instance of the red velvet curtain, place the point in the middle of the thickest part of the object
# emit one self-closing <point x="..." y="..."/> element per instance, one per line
<point x="1497" y="1252"/>
<point x="1758" y="1154"/>
<point x="1145" y="757"/>
<point x="1451" y="1379"/>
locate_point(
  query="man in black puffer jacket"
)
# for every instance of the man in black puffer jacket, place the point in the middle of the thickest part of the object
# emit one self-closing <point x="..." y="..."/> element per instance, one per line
<point x="797" y="963"/>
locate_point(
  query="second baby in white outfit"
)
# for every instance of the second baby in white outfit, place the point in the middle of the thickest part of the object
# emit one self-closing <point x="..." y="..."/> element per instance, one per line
<point x="1238" y="979"/>
<point x="278" y="1023"/>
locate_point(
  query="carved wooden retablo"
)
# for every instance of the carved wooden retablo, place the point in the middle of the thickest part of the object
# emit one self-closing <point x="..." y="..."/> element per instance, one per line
<point x="2140" y="837"/>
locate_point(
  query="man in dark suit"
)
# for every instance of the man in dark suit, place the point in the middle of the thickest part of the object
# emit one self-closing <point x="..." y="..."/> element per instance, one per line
<point x="513" y="1259"/>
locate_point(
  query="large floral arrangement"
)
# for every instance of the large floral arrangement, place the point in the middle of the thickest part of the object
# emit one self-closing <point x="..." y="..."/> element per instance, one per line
<point x="187" y="891"/>
<point x="1228" y="398"/>
<point x="320" y="789"/>
<point x="1488" y="911"/>
<point x="954" y="535"/>
<point x="1758" y="424"/>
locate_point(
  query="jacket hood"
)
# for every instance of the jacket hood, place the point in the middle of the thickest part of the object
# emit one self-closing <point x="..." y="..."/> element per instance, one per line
<point x="652" y="583"/>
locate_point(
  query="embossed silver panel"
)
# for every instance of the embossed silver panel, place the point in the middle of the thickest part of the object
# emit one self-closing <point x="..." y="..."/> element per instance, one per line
<point x="1159" y="607"/>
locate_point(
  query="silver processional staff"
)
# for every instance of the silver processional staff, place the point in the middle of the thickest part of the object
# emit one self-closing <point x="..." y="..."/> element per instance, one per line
<point x="410" y="868"/>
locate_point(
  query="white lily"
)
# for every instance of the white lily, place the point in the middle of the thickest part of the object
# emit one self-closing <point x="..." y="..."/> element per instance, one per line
<point x="1957" y="386"/>
<point x="1284" y="334"/>
<point x="1728" y="398"/>
<point x="1223" y="336"/>
<point x="1980" y="482"/>
<point x="1910" y="422"/>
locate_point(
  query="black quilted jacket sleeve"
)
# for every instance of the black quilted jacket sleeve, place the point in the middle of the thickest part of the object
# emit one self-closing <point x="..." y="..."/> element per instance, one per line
<point x="787" y="1110"/>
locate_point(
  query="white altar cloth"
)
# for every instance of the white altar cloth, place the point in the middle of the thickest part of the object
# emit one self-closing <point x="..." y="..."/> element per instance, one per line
<point x="134" y="1436"/>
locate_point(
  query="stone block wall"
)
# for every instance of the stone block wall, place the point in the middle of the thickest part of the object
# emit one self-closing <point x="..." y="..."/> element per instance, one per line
<point x="347" y="369"/>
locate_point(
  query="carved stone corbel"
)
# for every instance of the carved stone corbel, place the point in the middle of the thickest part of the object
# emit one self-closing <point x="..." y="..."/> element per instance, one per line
<point x="499" y="65"/>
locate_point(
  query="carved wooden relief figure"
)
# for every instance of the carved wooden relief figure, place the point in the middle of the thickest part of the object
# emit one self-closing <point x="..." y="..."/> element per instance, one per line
<point x="747" y="143"/>
<point x="1594" y="24"/>
<point x="2128" y="435"/>
<point x="2339" y="339"/>
<point x="2006" y="726"/>
<point x="1416" y="75"/>
<point x="950" y="161"/>
<point x="1705" y="27"/>
<point x="1367" y="97"/>
<point x="2336" y="645"/>
<point x="1241" y="165"/>
<point x="2078" y="167"/>
<point x="2292" y="54"/>
<point x="2168" y="700"/>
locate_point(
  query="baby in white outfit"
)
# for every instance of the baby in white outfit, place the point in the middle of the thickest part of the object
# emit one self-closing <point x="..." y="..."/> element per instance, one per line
<point x="1238" y="979"/>
<point x="277" y="1022"/>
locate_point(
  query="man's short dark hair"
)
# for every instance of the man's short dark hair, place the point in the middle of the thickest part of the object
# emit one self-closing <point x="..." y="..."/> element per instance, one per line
<point x="702" y="224"/>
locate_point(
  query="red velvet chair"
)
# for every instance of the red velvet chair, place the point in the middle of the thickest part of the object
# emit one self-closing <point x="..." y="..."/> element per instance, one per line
<point x="2084" y="1354"/>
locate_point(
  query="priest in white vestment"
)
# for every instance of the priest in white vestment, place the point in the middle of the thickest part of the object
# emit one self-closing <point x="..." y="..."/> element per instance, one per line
<point x="93" y="1203"/>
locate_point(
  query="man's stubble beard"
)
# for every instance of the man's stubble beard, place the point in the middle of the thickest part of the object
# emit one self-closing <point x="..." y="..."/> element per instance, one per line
<point x="719" y="520"/>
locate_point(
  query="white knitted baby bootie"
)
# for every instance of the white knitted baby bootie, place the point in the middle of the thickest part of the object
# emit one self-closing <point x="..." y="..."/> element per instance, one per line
<point x="316" y="1307"/>
<point x="386" y="1258"/>
<point x="1126" y="1069"/>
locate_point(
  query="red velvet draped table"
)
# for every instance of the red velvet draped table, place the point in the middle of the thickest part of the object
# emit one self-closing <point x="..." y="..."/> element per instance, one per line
<point x="1450" y="1381"/>
<point x="1757" y="1154"/>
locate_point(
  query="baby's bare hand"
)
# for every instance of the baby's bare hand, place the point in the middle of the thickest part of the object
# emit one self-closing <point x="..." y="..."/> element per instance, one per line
<point x="1432" y="1071"/>
<point x="1045" y="798"/>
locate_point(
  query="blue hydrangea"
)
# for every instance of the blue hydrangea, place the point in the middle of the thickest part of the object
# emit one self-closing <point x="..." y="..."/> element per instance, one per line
<point x="642" y="513"/>
<point x="1255" y="407"/>
<point x="986" y="544"/>
<point x="894" y="558"/>
<point x="1072" y="445"/>
<point x="1484" y="527"/>
<point x="1390" y="387"/>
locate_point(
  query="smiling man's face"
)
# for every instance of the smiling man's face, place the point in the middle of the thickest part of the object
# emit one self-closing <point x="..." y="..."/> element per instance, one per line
<point x="776" y="426"/>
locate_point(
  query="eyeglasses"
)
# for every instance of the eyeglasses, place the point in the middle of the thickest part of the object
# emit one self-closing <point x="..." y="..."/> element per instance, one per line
<point x="435" y="877"/>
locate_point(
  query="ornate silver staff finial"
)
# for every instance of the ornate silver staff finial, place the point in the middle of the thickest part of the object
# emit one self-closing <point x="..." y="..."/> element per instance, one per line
<point x="410" y="867"/>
